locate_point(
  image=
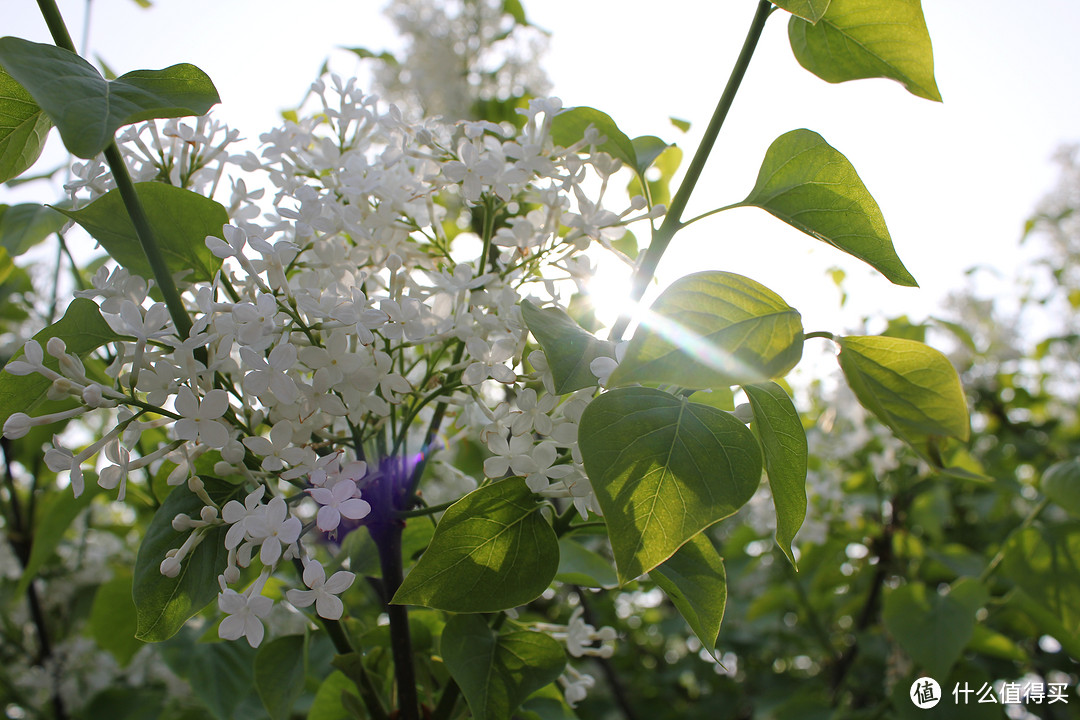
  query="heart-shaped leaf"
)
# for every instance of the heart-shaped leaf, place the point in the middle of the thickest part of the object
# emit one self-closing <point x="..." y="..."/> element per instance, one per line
<point x="868" y="39"/>
<point x="86" y="108"/>
<point x="663" y="469"/>
<point x="24" y="225"/>
<point x="23" y="128"/>
<point x="934" y="628"/>
<point x="811" y="186"/>
<point x="780" y="431"/>
<point x="491" y="551"/>
<point x="713" y="329"/>
<point x="497" y="672"/>
<point x="569" y="126"/>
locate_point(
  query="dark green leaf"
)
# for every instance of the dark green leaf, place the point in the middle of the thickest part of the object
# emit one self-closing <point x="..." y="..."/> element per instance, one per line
<point x="811" y="186"/>
<point x="492" y="550"/>
<point x="219" y="673"/>
<point x="25" y="225"/>
<point x="279" y="674"/>
<point x="583" y="567"/>
<point x="54" y="518"/>
<point x="327" y="704"/>
<point x="112" y="619"/>
<point x="82" y="328"/>
<point x="497" y="672"/>
<point x="547" y="703"/>
<point x="1045" y="563"/>
<point x="910" y="387"/>
<point x="780" y="431"/>
<point x="164" y="604"/>
<point x="86" y="108"/>
<point x="125" y="703"/>
<point x="868" y="39"/>
<point x="181" y="220"/>
<point x="934" y="628"/>
<point x="695" y="581"/>
<point x="812" y="10"/>
<point x="663" y="469"/>
<point x="681" y="124"/>
<point x="23" y="128"/>
<point x="569" y="348"/>
<point x="570" y="125"/>
<point x="713" y="329"/>
<point x="1061" y="483"/>
<point x="514" y="9"/>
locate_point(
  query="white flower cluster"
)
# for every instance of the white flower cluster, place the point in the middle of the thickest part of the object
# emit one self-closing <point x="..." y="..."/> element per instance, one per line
<point x="370" y="308"/>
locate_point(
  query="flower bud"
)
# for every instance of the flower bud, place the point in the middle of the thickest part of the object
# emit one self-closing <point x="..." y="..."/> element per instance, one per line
<point x="56" y="347"/>
<point x="182" y="523"/>
<point x="17" y="425"/>
<point x="208" y="514"/>
<point x="170" y="567"/>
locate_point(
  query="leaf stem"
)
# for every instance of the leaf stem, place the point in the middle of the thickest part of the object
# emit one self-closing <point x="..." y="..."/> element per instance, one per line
<point x="673" y="220"/>
<point x="820" y="334"/>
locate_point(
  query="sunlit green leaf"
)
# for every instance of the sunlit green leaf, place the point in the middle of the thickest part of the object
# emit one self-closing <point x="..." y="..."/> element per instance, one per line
<point x="569" y="348"/>
<point x="780" y="431"/>
<point x="663" y="469"/>
<point x="164" y="604"/>
<point x="1061" y="483"/>
<point x="811" y="186"/>
<point x="547" y="703"/>
<point x="181" y="220"/>
<point x="868" y="39"/>
<point x="327" y="704"/>
<point x="25" y="225"/>
<point x="86" y="108"/>
<point x="279" y="674"/>
<point x="812" y="10"/>
<point x="23" y="128"/>
<point x="647" y="149"/>
<point x="492" y="550"/>
<point x="931" y="627"/>
<point x="659" y="189"/>
<point x="713" y="329"/>
<point x="570" y="125"/>
<point x="910" y="387"/>
<point x="695" y="581"/>
<point x="82" y="328"/>
<point x="497" y="672"/>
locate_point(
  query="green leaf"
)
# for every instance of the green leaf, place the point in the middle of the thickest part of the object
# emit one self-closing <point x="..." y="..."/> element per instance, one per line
<point x="713" y="329"/>
<point x="910" y="387"/>
<point x="647" y="149"/>
<point x="868" y="39"/>
<point x="811" y="10"/>
<point x="25" y="225"/>
<point x="164" y="604"/>
<point x="580" y="566"/>
<point x="663" y="469"/>
<point x="327" y="704"/>
<point x="811" y="186"/>
<point x="23" y="128"/>
<point x="569" y="348"/>
<point x="659" y="189"/>
<point x="86" y="108"/>
<point x="364" y="53"/>
<point x="112" y="619"/>
<point x="934" y="628"/>
<point x="695" y="580"/>
<point x="1045" y="563"/>
<point x="82" y="328"/>
<point x="279" y="674"/>
<point x="491" y="551"/>
<point x="181" y="220"/>
<point x="126" y="703"/>
<point x="1061" y="483"/>
<point x="570" y="125"/>
<point x="497" y="672"/>
<point x="780" y="431"/>
<point x="219" y="673"/>
<point x="547" y="703"/>
<point x="59" y="511"/>
<point x="6" y="265"/>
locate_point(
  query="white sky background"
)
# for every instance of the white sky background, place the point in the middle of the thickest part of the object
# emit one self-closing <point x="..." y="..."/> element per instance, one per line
<point x="955" y="181"/>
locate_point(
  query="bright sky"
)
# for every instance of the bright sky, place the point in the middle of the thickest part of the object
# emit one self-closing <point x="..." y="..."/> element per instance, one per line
<point x="955" y="181"/>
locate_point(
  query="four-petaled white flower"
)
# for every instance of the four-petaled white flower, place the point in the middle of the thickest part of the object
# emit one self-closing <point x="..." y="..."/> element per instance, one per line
<point x="274" y="528"/>
<point x="243" y="613"/>
<point x="200" y="417"/>
<point x="489" y="361"/>
<point x="339" y="500"/>
<point x="323" y="592"/>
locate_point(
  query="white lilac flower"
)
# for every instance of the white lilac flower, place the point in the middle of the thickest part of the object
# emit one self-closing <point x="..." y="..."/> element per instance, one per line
<point x="273" y="527"/>
<point x="488" y="361"/>
<point x="200" y="418"/>
<point x="244" y="613"/>
<point x="323" y="592"/>
<point x="340" y="500"/>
